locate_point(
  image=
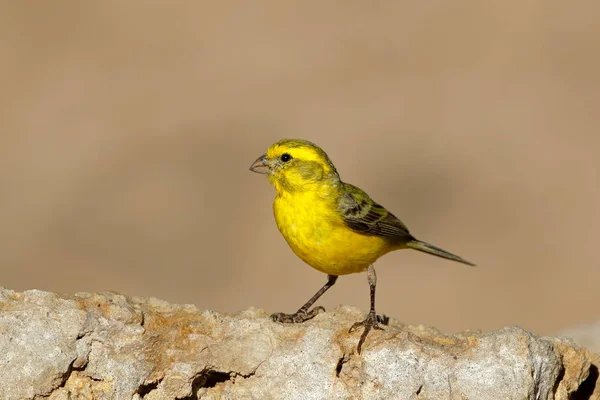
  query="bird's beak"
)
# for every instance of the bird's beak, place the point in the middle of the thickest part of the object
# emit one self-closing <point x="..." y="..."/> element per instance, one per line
<point x="261" y="165"/>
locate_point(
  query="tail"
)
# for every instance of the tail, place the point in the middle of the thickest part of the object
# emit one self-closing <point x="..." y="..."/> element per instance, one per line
<point x="436" y="251"/>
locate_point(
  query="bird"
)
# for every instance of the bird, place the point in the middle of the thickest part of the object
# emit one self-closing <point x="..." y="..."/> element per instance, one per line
<point x="333" y="226"/>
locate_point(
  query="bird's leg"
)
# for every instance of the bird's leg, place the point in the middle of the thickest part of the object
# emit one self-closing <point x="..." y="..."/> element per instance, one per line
<point x="303" y="314"/>
<point x="372" y="320"/>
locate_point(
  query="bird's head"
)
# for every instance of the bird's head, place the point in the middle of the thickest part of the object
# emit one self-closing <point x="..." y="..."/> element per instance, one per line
<point x="294" y="164"/>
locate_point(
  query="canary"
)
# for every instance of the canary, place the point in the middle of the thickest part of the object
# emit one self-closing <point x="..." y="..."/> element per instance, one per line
<point x="333" y="226"/>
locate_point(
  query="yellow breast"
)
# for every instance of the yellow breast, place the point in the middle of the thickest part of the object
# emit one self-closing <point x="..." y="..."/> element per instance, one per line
<point x="317" y="234"/>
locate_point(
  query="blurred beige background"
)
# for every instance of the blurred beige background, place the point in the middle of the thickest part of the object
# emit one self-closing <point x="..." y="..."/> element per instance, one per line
<point x="127" y="130"/>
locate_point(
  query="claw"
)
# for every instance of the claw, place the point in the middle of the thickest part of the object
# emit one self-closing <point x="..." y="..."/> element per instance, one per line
<point x="383" y="319"/>
<point x="298" y="317"/>
<point x="371" y="322"/>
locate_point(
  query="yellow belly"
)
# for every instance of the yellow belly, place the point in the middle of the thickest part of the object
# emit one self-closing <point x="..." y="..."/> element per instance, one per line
<point x="319" y="237"/>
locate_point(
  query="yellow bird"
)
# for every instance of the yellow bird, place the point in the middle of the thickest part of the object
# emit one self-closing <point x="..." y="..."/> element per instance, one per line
<point x="333" y="226"/>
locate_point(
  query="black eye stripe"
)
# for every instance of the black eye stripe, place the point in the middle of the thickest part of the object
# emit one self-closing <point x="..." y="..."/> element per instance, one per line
<point x="285" y="157"/>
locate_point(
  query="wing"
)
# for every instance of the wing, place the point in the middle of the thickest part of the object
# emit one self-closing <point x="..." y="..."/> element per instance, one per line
<point x="361" y="214"/>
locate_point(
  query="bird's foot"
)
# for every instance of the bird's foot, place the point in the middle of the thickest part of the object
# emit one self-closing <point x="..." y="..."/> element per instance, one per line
<point x="371" y="322"/>
<point x="299" y="316"/>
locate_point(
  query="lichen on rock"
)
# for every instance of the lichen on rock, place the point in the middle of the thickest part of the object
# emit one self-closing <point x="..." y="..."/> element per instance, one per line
<point x="109" y="346"/>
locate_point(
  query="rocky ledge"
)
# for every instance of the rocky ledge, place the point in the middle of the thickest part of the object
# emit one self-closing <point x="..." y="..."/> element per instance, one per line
<point x="109" y="346"/>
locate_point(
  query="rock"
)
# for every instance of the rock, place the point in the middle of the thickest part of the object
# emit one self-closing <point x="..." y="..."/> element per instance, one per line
<point x="587" y="335"/>
<point x="108" y="346"/>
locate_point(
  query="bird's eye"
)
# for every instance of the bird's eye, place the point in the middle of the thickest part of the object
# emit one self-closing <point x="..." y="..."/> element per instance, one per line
<point x="285" y="157"/>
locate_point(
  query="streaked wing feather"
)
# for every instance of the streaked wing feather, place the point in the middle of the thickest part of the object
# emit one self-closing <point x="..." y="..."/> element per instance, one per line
<point x="363" y="215"/>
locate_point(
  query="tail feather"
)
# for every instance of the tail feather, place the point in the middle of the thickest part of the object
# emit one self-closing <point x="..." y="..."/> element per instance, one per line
<point x="436" y="251"/>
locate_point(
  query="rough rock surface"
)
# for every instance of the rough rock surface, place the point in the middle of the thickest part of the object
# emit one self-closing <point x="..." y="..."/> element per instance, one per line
<point x="108" y="346"/>
<point x="587" y="335"/>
